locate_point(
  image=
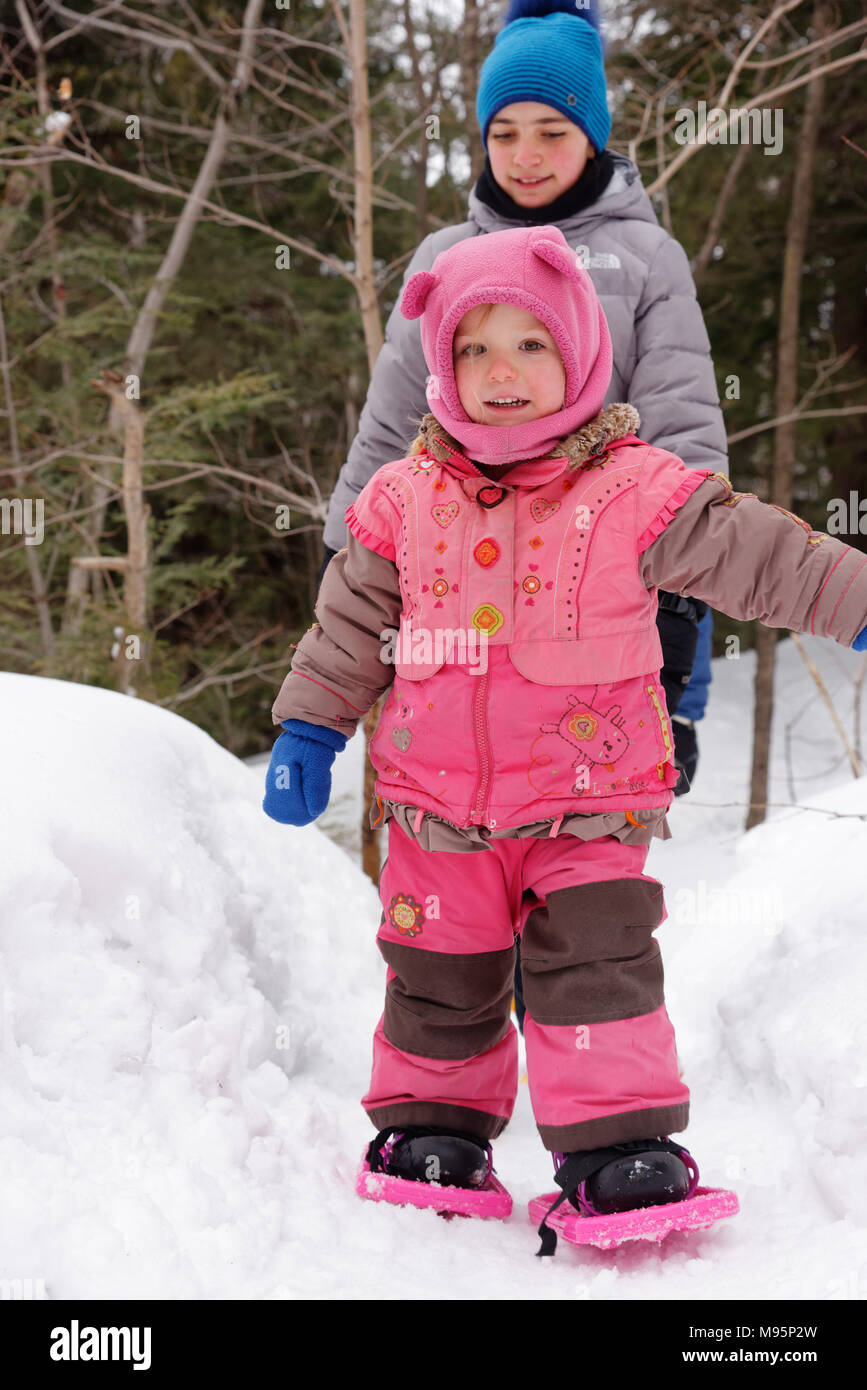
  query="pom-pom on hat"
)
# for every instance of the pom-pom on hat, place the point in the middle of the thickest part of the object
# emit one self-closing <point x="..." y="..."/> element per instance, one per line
<point x="535" y="269"/>
<point x="549" y="51"/>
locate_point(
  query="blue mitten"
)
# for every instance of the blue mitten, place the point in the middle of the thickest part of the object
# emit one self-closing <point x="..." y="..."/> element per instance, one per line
<point x="860" y="643"/>
<point x="298" y="783"/>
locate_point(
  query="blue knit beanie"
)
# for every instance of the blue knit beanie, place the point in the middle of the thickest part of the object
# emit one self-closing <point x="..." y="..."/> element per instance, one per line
<point x="548" y="51"/>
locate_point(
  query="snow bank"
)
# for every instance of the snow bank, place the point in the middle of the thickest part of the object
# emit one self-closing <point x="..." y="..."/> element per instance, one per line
<point x="185" y="1005"/>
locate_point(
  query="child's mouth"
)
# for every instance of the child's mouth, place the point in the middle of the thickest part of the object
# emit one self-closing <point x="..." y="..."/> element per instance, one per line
<point x="507" y="403"/>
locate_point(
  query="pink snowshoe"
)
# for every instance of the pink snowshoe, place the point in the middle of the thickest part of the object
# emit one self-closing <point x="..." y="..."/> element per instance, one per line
<point x="449" y="1170"/>
<point x="641" y="1190"/>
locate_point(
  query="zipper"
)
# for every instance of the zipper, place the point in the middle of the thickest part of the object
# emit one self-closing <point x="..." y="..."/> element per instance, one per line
<point x="483" y="749"/>
<point x="666" y="736"/>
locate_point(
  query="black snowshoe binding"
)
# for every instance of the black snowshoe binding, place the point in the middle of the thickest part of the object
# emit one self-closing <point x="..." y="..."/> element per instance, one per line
<point x="645" y="1173"/>
<point x="621" y="1177"/>
<point x="450" y="1158"/>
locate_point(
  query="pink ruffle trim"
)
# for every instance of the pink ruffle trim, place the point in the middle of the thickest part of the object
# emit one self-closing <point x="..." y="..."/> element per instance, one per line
<point x="666" y="513"/>
<point x="367" y="538"/>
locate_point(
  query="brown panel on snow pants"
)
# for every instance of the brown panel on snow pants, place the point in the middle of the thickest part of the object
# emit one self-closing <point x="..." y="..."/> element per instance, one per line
<point x="587" y="955"/>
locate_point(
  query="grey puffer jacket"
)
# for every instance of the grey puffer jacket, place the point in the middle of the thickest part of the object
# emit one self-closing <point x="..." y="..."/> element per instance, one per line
<point x="662" y="362"/>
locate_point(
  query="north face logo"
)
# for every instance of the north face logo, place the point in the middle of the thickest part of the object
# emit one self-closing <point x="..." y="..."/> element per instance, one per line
<point x="597" y="260"/>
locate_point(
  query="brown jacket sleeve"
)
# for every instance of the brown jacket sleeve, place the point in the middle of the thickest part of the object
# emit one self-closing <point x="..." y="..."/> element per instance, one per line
<point x="751" y="559"/>
<point x="336" y="672"/>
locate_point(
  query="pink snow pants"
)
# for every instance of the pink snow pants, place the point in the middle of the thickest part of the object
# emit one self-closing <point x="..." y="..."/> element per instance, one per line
<point x="601" y="1058"/>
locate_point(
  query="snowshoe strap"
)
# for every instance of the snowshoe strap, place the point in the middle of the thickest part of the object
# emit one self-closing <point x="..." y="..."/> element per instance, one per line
<point x="569" y="1176"/>
<point x="379" y="1149"/>
<point x="577" y="1167"/>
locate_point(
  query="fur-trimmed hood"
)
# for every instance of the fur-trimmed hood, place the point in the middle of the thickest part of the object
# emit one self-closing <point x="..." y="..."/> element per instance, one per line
<point x="613" y="422"/>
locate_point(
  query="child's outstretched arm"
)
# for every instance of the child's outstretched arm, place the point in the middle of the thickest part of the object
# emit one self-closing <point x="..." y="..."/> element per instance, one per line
<point x="336" y="676"/>
<point x="751" y="559"/>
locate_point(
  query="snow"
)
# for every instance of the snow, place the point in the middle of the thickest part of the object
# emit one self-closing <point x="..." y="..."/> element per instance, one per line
<point x="188" y="993"/>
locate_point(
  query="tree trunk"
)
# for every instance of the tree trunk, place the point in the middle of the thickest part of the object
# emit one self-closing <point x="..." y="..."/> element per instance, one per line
<point x="145" y="326"/>
<point x="373" y="335"/>
<point x="138" y="344"/>
<point x="131" y="643"/>
<point x="422" y="226"/>
<point x="21" y="187"/>
<point x="370" y="838"/>
<point x="730" y="182"/>
<point x="362" y="232"/>
<point x="763" y="688"/>
<point x="470" y="68"/>
<point x="782" y="481"/>
<point x="37" y="580"/>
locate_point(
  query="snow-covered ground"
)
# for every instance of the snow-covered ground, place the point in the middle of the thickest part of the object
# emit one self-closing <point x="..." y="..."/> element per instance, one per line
<point x="188" y="993"/>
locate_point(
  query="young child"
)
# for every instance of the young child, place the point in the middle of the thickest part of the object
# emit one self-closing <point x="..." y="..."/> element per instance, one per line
<point x="523" y="772"/>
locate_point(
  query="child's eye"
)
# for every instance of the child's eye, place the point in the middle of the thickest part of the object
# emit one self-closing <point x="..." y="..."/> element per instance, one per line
<point x="527" y="342"/>
<point x="546" y="135"/>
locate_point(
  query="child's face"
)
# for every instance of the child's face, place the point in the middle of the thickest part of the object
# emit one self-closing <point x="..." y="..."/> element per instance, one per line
<point x="536" y="152"/>
<point x="510" y="354"/>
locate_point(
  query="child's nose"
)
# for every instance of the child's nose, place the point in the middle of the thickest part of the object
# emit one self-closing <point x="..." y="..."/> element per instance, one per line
<point x="525" y="156"/>
<point x="502" y="368"/>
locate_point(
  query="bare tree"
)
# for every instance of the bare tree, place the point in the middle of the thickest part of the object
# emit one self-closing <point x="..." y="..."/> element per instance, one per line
<point x="470" y="69"/>
<point x="130" y="644"/>
<point x="37" y="579"/>
<point x="783" y="473"/>
<point x="145" y="326"/>
<point x="820" y="66"/>
<point x="356" y="47"/>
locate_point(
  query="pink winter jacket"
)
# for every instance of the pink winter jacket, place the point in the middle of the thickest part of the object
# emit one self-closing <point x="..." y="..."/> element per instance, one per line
<point x="520" y="617"/>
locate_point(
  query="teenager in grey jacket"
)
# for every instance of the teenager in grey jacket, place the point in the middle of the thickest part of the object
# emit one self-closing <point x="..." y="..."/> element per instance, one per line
<point x="544" y="119"/>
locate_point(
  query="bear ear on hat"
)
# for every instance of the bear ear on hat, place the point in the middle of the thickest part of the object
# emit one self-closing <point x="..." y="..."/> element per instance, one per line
<point x="561" y="257"/>
<point x="415" y="293"/>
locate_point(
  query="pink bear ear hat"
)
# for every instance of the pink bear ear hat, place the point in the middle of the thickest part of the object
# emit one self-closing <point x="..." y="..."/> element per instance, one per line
<point x="535" y="269"/>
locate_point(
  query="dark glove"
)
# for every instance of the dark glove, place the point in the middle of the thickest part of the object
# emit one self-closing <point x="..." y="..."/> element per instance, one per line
<point x="685" y="752"/>
<point x="329" y="556"/>
<point x="298" y="782"/>
<point x="677" y="621"/>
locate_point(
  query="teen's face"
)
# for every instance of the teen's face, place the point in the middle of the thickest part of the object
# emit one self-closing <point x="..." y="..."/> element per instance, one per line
<point x="535" y="152"/>
<point x="511" y="355"/>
